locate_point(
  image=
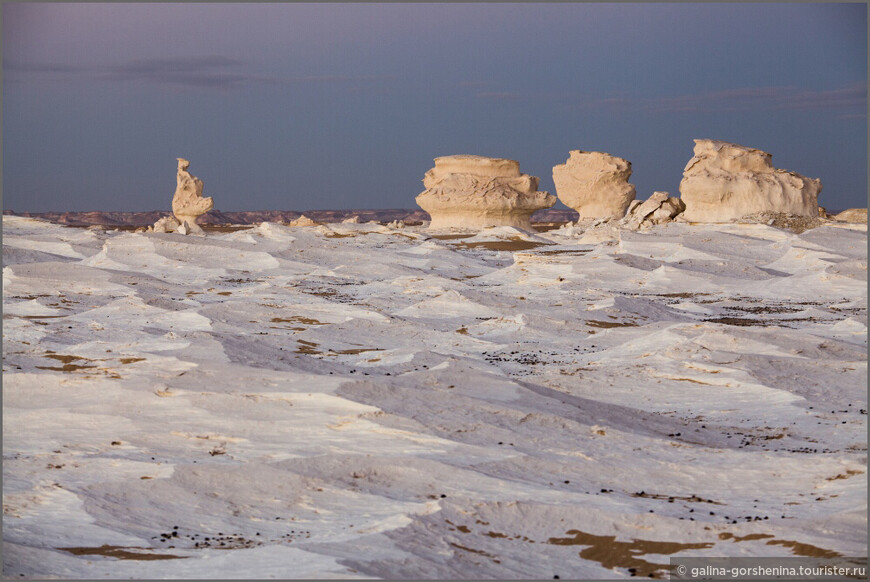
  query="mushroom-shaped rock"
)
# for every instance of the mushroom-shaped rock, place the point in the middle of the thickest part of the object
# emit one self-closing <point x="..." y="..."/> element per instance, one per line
<point x="594" y="184"/>
<point x="725" y="181"/>
<point x="188" y="203"/>
<point x="476" y="192"/>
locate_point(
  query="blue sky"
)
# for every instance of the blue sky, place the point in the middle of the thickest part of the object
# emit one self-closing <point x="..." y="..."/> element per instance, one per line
<point x="316" y="106"/>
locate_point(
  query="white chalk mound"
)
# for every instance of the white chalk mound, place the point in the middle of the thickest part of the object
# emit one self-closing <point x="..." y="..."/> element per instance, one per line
<point x="302" y="221"/>
<point x="188" y="203"/>
<point x="594" y="184"/>
<point x="725" y="181"/>
<point x="476" y="192"/>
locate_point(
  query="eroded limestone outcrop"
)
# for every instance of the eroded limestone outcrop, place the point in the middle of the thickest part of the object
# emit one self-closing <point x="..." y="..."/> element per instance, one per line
<point x="188" y="203"/>
<point x="302" y="221"/>
<point x="726" y="181"/>
<point x="475" y="192"/>
<point x="594" y="184"/>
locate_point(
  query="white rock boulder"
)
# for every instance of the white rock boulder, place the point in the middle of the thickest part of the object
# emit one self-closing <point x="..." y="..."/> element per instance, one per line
<point x="657" y="209"/>
<point x="188" y="203"/>
<point x="474" y="192"/>
<point x="725" y="181"/>
<point x="166" y="224"/>
<point x="594" y="184"/>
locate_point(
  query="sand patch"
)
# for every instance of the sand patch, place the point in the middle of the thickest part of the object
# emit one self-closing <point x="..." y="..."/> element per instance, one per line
<point x="225" y="227"/>
<point x="310" y="348"/>
<point x="797" y="548"/>
<point x="802" y="549"/>
<point x="67" y="361"/>
<point x="503" y="245"/>
<point x="613" y="554"/>
<point x="609" y="324"/>
<point x="297" y="319"/>
<point x="479" y="552"/>
<point x="306" y="347"/>
<point x="121" y="553"/>
<point x="355" y="351"/>
<point x="451" y="236"/>
<point x="849" y="473"/>
<point x="747" y="538"/>
<point x="566" y="252"/>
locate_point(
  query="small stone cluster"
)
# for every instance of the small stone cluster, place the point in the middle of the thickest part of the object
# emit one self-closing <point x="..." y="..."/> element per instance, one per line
<point x="657" y="209"/>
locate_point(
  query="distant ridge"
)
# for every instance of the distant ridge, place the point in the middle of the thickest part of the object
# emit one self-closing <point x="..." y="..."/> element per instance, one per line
<point x="89" y="218"/>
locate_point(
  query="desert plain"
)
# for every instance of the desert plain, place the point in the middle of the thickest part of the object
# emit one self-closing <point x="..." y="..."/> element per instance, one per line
<point x="360" y="400"/>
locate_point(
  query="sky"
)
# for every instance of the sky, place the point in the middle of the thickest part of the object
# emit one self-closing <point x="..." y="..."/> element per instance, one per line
<point x="291" y="106"/>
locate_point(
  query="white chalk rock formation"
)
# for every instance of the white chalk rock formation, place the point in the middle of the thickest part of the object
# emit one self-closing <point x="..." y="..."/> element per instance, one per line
<point x="475" y="192"/>
<point x="188" y="203"/>
<point x="725" y="181"/>
<point x="657" y="209"/>
<point x="594" y="184"/>
<point x="853" y="215"/>
<point x="166" y="224"/>
<point x="302" y="221"/>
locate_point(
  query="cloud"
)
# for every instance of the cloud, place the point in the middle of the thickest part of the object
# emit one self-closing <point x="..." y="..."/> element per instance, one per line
<point x="773" y="98"/>
<point x="501" y="96"/>
<point x="205" y="71"/>
<point x="209" y="71"/>
<point x="851" y="96"/>
<point x="335" y="78"/>
<point x="850" y="116"/>
<point x="39" y="67"/>
<point x="766" y="98"/>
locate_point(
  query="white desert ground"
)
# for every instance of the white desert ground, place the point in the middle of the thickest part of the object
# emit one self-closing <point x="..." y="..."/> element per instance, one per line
<point x="359" y="401"/>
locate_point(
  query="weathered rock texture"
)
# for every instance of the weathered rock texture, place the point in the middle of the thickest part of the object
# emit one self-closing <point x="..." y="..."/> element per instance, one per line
<point x="476" y="192"/>
<point x="792" y="222"/>
<point x="854" y="215"/>
<point x="188" y="203"/>
<point x="594" y="184"/>
<point x="725" y="181"/>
